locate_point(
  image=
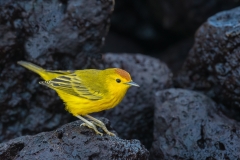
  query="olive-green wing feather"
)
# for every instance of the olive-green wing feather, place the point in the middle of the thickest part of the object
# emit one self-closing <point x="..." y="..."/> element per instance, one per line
<point x="71" y="84"/>
<point x="63" y="72"/>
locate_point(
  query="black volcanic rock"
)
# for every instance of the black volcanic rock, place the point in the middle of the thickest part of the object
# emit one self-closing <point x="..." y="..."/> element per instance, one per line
<point x="35" y="30"/>
<point x="212" y="65"/>
<point x="189" y="125"/>
<point x="54" y="34"/>
<point x="72" y="142"/>
<point x="133" y="117"/>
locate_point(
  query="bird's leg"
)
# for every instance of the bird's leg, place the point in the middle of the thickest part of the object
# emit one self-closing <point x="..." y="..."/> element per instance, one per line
<point x="100" y="124"/>
<point x="89" y="124"/>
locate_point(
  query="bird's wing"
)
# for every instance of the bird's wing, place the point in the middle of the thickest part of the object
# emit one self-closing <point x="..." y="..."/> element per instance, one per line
<point x="71" y="84"/>
<point x="61" y="71"/>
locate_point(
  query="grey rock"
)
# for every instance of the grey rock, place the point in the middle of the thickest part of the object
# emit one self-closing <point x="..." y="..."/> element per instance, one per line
<point x="189" y="125"/>
<point x="72" y="142"/>
<point x="212" y="65"/>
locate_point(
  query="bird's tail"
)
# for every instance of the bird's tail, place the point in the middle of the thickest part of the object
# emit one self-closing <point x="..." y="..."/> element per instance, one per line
<point x="39" y="70"/>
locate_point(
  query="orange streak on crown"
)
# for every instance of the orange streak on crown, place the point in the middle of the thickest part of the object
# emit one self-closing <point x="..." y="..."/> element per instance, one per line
<point x="123" y="74"/>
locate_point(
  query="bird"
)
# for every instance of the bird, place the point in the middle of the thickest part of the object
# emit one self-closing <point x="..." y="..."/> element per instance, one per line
<point x="86" y="91"/>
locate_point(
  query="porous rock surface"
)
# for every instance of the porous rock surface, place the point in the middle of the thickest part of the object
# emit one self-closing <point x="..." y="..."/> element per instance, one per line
<point x="54" y="34"/>
<point x="72" y="142"/>
<point x="212" y="65"/>
<point x="133" y="117"/>
<point x="189" y="125"/>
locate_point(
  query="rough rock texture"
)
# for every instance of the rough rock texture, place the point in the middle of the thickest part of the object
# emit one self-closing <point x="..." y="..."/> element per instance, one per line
<point x="35" y="30"/>
<point x="72" y="142"/>
<point x="54" y="34"/>
<point x="189" y="125"/>
<point x="213" y="63"/>
<point x="133" y="117"/>
<point x="185" y="16"/>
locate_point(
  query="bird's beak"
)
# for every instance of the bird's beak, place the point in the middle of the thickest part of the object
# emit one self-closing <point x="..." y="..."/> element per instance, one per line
<point x="131" y="83"/>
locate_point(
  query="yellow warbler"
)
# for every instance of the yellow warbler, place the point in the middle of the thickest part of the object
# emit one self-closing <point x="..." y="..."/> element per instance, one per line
<point x="86" y="91"/>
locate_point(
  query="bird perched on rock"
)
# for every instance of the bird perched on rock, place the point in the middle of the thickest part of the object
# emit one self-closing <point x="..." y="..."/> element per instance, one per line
<point x="86" y="91"/>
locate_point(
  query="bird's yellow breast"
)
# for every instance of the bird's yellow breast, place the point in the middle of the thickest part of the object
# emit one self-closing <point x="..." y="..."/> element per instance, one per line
<point x="82" y="106"/>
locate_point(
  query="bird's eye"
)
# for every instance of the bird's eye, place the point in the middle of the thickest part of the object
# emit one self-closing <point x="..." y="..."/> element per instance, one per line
<point x="118" y="80"/>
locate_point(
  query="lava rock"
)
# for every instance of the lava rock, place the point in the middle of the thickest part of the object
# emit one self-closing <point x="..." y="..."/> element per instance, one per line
<point x="189" y="125"/>
<point x="185" y="16"/>
<point x="35" y="30"/>
<point x="212" y="65"/>
<point x="133" y="117"/>
<point x="55" y="34"/>
<point x="72" y="142"/>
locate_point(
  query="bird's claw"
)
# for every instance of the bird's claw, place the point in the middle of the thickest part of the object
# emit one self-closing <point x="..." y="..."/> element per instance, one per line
<point x="111" y="134"/>
<point x="92" y="127"/>
<point x="102" y="125"/>
<point x="83" y="124"/>
<point x="99" y="133"/>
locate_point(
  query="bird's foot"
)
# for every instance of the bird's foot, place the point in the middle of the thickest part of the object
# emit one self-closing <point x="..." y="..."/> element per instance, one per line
<point x="103" y="126"/>
<point x="95" y="122"/>
<point x="92" y="126"/>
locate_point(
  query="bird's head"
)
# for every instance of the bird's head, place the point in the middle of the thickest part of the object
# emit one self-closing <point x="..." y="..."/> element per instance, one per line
<point x="119" y="79"/>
